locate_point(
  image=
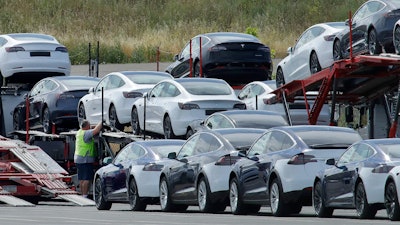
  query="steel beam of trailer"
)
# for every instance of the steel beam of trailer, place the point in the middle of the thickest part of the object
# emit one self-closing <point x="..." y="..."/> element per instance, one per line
<point x="355" y="81"/>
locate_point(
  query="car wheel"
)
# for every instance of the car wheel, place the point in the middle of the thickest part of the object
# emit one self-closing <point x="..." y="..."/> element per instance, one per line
<point x="364" y="210"/>
<point x="396" y="39"/>
<point x="18" y="120"/>
<point x="204" y="196"/>
<point x="318" y="202"/>
<point x="189" y="133"/>
<point x="373" y="46"/>
<point x="314" y="63"/>
<point x="46" y="121"/>
<point x="168" y="132"/>
<point x="280" y="79"/>
<point x="135" y="122"/>
<point x="114" y="122"/>
<point x="278" y="207"/>
<point x="337" y="52"/>
<point x="101" y="203"/>
<point x="165" y="197"/>
<point x="81" y="112"/>
<point x="392" y="202"/>
<point x="235" y="200"/>
<point x="136" y="204"/>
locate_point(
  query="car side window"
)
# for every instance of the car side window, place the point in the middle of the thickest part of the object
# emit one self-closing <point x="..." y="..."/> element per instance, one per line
<point x="49" y="85"/>
<point x="259" y="147"/>
<point x="346" y="156"/>
<point x="362" y="152"/>
<point x="275" y="141"/>
<point x="188" y="148"/>
<point x="206" y="143"/>
<point x="245" y="93"/>
<point x="3" y="41"/>
<point x="303" y="39"/>
<point x="114" y="82"/>
<point x="156" y="91"/>
<point x="169" y="90"/>
<point x="37" y="89"/>
<point x="102" y="84"/>
<point x="136" y="151"/>
<point x="185" y="52"/>
<point x="257" y="90"/>
<point x="218" y="121"/>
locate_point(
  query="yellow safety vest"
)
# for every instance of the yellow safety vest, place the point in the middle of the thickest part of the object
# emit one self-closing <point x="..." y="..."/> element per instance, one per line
<point x="83" y="148"/>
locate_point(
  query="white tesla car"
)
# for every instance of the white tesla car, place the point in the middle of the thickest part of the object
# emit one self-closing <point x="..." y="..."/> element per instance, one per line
<point x="33" y="55"/>
<point x="311" y="53"/>
<point x="257" y="94"/>
<point x="121" y="89"/>
<point x="172" y="104"/>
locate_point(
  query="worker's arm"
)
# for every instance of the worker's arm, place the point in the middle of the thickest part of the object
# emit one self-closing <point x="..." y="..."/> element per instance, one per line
<point x="97" y="128"/>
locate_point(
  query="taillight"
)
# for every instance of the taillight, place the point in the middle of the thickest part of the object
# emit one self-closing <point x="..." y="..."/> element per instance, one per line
<point x="61" y="49"/>
<point x="239" y="106"/>
<point x="329" y="37"/>
<point x="301" y="159"/>
<point x="188" y="106"/>
<point x="15" y="49"/>
<point x="65" y="96"/>
<point x="227" y="160"/>
<point x="152" y="167"/>
<point x="132" y="94"/>
<point x="382" y="169"/>
<point x="217" y="48"/>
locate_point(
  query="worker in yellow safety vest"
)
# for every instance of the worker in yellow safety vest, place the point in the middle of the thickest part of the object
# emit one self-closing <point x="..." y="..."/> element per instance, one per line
<point x="85" y="154"/>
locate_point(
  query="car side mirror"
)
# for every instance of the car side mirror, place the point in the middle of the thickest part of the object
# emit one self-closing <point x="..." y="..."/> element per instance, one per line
<point x="107" y="160"/>
<point x="330" y="161"/>
<point x="172" y="155"/>
<point x="289" y="50"/>
<point x="176" y="57"/>
<point x="91" y="90"/>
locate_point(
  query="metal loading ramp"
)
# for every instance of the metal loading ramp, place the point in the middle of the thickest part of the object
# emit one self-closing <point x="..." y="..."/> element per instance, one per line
<point x="27" y="172"/>
<point x="355" y="81"/>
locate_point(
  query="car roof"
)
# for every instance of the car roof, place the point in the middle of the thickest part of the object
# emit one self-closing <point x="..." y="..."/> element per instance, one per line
<point x="149" y="143"/>
<point x="221" y="37"/>
<point x="34" y="37"/>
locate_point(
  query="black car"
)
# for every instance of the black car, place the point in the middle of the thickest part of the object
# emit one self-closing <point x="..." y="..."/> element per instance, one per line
<point x="53" y="100"/>
<point x="199" y="173"/>
<point x="372" y="29"/>
<point x="357" y="180"/>
<point x="234" y="57"/>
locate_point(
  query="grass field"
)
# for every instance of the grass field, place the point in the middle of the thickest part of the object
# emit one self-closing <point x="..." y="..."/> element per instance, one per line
<point x="131" y="31"/>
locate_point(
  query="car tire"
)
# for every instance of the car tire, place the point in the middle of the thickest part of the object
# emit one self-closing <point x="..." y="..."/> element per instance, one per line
<point x="278" y="207"/>
<point x="135" y="122"/>
<point x="168" y="131"/>
<point x="135" y="202"/>
<point x="196" y="69"/>
<point x="373" y="46"/>
<point x="318" y="202"/>
<point x="364" y="210"/>
<point x="280" y="79"/>
<point x="18" y="120"/>
<point x="81" y="112"/>
<point x="189" y="133"/>
<point x="46" y="122"/>
<point x="165" y="197"/>
<point x="315" y="67"/>
<point x="392" y="202"/>
<point x="235" y="199"/>
<point x="396" y="40"/>
<point x="99" y="199"/>
<point x="204" y="199"/>
<point x="337" y="52"/>
<point x="113" y="118"/>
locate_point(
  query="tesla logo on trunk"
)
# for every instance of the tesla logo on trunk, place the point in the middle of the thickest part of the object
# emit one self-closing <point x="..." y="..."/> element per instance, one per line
<point x="242" y="45"/>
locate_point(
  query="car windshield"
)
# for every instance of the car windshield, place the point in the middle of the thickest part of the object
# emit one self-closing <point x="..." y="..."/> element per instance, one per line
<point x="392" y="150"/>
<point x="206" y="88"/>
<point x="320" y="139"/>
<point x="163" y="150"/>
<point x="146" y="78"/>
<point x="80" y="82"/>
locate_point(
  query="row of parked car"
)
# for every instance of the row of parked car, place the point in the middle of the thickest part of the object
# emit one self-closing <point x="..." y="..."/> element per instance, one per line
<point x="283" y="167"/>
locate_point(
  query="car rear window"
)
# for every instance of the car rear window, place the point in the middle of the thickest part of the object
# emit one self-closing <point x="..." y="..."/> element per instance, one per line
<point x="319" y="139"/>
<point x="392" y="150"/>
<point x="207" y="88"/>
<point x="146" y="78"/>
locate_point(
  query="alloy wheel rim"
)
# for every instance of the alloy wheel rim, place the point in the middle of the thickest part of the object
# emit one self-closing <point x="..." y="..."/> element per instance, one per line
<point x="360" y="200"/>
<point x="46" y="120"/>
<point x="233" y="196"/>
<point x="167" y="129"/>
<point x="112" y="117"/>
<point x="202" y="195"/>
<point x="317" y="198"/>
<point x="135" y="121"/>
<point x="132" y="195"/>
<point x="98" y="193"/>
<point x="372" y="43"/>
<point x="163" y="194"/>
<point x="397" y="40"/>
<point x="314" y="64"/>
<point x="390" y="200"/>
<point x="274" y="197"/>
<point x="336" y="50"/>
